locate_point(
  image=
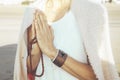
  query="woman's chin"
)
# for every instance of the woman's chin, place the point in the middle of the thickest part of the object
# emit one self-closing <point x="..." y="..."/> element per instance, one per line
<point x="52" y="19"/>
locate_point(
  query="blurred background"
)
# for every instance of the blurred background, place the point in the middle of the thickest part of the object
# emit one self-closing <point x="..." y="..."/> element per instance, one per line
<point x="11" y="15"/>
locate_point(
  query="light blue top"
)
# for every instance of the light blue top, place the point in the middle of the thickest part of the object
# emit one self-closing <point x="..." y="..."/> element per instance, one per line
<point x="67" y="38"/>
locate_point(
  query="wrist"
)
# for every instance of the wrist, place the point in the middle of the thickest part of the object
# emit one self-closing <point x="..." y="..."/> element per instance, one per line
<point x="60" y="58"/>
<point x="52" y="53"/>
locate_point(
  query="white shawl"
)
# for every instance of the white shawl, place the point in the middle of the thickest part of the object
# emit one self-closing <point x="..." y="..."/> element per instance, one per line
<point x="93" y="21"/>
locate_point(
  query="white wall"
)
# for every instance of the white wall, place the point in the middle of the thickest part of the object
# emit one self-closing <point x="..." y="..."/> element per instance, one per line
<point x="10" y="22"/>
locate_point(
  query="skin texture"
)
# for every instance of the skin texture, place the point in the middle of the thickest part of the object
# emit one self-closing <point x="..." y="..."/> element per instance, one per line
<point x="45" y="37"/>
<point x="56" y="9"/>
<point x="35" y="50"/>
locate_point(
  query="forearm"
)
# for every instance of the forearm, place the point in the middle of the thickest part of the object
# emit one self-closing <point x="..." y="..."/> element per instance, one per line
<point x="30" y="75"/>
<point x="35" y="60"/>
<point x="78" y="69"/>
<point x="69" y="71"/>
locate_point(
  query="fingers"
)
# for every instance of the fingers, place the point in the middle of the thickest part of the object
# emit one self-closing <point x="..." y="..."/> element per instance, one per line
<point x="42" y="21"/>
<point x="33" y="28"/>
<point x="38" y="24"/>
<point x="51" y="31"/>
<point x="41" y="26"/>
<point x="37" y="28"/>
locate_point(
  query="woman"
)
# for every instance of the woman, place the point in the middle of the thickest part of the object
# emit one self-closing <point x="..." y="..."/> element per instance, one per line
<point x="60" y="30"/>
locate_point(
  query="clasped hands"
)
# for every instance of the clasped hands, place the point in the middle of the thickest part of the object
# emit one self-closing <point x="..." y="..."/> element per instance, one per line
<point x="44" y="34"/>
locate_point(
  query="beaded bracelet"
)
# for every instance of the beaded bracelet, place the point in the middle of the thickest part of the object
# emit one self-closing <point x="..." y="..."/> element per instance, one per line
<point x="60" y="58"/>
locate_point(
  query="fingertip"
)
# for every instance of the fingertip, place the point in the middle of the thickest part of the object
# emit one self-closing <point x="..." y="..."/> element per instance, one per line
<point x="36" y="25"/>
<point x="36" y="10"/>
